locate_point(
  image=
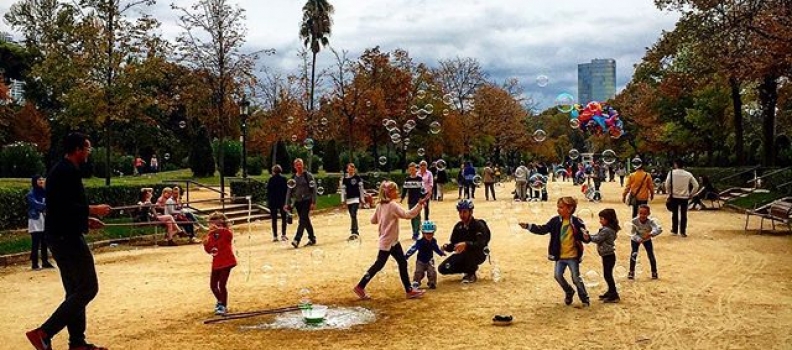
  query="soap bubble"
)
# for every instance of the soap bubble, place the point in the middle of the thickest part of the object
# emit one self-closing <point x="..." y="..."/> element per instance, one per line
<point x="620" y="272"/>
<point x="323" y="121"/>
<point x="565" y="102"/>
<point x="542" y="80"/>
<point x="414" y="109"/>
<point x="421" y="152"/>
<point x="410" y="124"/>
<point x="368" y="103"/>
<point x="317" y="255"/>
<point x="446" y="112"/>
<point x="182" y="124"/>
<point x="435" y="128"/>
<point x="391" y="125"/>
<point x="539" y="135"/>
<point x="320" y="190"/>
<point x="290" y="120"/>
<point x="574" y="154"/>
<point x="383" y="160"/>
<point x="448" y="99"/>
<point x="308" y="143"/>
<point x="592" y="279"/>
<point x="609" y="156"/>
<point x="429" y="108"/>
<point x="312" y="184"/>
<point x="441" y="165"/>
<point x="477" y="180"/>
<point x="395" y="138"/>
<point x="291" y="183"/>
<point x="585" y="213"/>
<point x="574" y="123"/>
<point x="421" y="94"/>
<point x="305" y="296"/>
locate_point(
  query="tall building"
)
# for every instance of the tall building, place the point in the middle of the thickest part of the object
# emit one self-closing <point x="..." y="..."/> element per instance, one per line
<point x="7" y="37"/>
<point x="16" y="87"/>
<point x="597" y="80"/>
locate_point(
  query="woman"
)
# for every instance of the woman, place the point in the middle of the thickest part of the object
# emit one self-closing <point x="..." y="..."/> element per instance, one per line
<point x="707" y="192"/>
<point x="276" y="199"/>
<point x="172" y="209"/>
<point x="36" y="207"/>
<point x="184" y="210"/>
<point x="147" y="212"/>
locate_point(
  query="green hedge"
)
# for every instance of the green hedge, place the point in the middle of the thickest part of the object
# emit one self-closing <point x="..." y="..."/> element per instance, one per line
<point x="13" y="208"/>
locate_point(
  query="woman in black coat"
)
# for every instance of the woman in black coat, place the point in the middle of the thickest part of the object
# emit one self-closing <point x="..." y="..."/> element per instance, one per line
<point x="276" y="199"/>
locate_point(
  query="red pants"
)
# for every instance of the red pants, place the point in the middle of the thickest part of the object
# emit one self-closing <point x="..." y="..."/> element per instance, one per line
<point x="218" y="283"/>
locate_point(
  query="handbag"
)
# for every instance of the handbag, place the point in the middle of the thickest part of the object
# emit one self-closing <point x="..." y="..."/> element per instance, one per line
<point x="669" y="203"/>
<point x="633" y="201"/>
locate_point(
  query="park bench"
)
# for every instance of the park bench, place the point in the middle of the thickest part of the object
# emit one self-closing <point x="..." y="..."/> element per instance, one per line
<point x="779" y="210"/>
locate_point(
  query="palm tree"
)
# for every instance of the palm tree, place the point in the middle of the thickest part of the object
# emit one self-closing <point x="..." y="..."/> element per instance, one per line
<point x="315" y="30"/>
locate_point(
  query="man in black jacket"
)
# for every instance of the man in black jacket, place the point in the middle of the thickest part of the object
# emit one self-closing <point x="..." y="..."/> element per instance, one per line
<point x="67" y="221"/>
<point x="276" y="199"/>
<point x="469" y="241"/>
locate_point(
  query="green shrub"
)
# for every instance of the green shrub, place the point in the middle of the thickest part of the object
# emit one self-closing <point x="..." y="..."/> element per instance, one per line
<point x="255" y="165"/>
<point x="258" y="189"/>
<point x="232" y="156"/>
<point x="330" y="160"/>
<point x="13" y="208"/>
<point x="300" y="152"/>
<point x="120" y="165"/>
<point x="202" y="163"/>
<point x="21" y="159"/>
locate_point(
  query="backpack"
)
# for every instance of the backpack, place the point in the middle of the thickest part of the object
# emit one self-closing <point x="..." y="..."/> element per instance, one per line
<point x="487" y="233"/>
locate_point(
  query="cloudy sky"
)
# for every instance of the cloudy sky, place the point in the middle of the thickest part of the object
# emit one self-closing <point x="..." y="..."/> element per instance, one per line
<point x="510" y="38"/>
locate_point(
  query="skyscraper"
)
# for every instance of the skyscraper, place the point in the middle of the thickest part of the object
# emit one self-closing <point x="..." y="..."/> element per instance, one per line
<point x="596" y="80"/>
<point x="16" y="87"/>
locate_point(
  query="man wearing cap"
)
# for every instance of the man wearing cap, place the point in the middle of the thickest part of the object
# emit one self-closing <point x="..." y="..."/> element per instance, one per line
<point x="469" y="243"/>
<point x="639" y="186"/>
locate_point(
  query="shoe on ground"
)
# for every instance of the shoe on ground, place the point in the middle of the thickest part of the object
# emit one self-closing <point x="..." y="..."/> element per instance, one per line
<point x="295" y="244"/>
<point x="353" y="237"/>
<point x="684" y="235"/>
<point x="432" y="286"/>
<point x="48" y="266"/>
<point x="275" y="239"/>
<point x="604" y="296"/>
<point x="469" y="278"/>
<point x="221" y="310"/>
<point x="631" y="275"/>
<point x="586" y="304"/>
<point x="39" y="339"/>
<point x="568" y="298"/>
<point x="171" y="243"/>
<point x="361" y="293"/>
<point x="310" y="243"/>
<point x="611" y="299"/>
<point x="674" y="233"/>
<point x="654" y="275"/>
<point x="415" y="293"/>
<point x="284" y="238"/>
<point x="87" y="347"/>
<point x="35" y="268"/>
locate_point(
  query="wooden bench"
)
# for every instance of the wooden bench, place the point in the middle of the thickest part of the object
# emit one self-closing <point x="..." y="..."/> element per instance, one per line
<point x="776" y="211"/>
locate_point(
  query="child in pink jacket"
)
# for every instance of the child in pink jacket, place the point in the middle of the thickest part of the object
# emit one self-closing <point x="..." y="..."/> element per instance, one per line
<point x="387" y="216"/>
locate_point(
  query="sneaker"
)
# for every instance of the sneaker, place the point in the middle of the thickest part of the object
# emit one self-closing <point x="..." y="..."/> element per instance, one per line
<point x="611" y="299"/>
<point x="432" y="286"/>
<point x="604" y="296"/>
<point x="284" y="238"/>
<point x="674" y="233"/>
<point x="221" y="310"/>
<point x="415" y="293"/>
<point x="684" y="235"/>
<point x="275" y="239"/>
<point x="39" y="339"/>
<point x="361" y="293"/>
<point x="353" y="237"/>
<point x="35" y="268"/>
<point x="568" y="298"/>
<point x="586" y="304"/>
<point x="469" y="278"/>
<point x="654" y="275"/>
<point x="87" y="347"/>
<point x="295" y="244"/>
<point x="310" y="243"/>
<point x="631" y="275"/>
<point x="47" y="265"/>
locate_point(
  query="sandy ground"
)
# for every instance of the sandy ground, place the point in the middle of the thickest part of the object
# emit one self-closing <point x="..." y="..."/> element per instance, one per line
<point x="721" y="288"/>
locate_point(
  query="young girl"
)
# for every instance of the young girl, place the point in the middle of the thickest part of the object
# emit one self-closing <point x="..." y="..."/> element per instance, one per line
<point x="566" y="246"/>
<point x="147" y="211"/>
<point x="643" y="230"/>
<point x="219" y="244"/>
<point x="387" y="215"/>
<point x="606" y="247"/>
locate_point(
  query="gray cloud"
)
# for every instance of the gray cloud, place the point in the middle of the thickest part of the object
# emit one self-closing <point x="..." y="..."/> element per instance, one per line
<point x="510" y="38"/>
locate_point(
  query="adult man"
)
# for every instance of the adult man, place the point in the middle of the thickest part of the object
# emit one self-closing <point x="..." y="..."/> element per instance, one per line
<point x="352" y="193"/>
<point x="639" y="186"/>
<point x="521" y="181"/>
<point x="428" y="180"/>
<point x="276" y="199"/>
<point x="489" y="181"/>
<point x="469" y="241"/>
<point x="303" y="195"/>
<point x="681" y="184"/>
<point x="67" y="222"/>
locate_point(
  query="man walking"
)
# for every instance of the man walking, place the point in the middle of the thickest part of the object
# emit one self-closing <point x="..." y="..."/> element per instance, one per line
<point x="67" y="222"/>
<point x="681" y="184"/>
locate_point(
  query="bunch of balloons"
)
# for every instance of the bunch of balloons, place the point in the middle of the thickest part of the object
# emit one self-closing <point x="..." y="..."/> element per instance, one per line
<point x="598" y="119"/>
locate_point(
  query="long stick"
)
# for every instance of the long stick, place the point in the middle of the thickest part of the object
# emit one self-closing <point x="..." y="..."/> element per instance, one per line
<point x="249" y="314"/>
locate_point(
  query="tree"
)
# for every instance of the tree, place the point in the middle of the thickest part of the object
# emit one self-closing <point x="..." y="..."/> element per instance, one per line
<point x="314" y="31"/>
<point x="201" y="159"/>
<point x="461" y="77"/>
<point x="211" y="41"/>
<point x="330" y="160"/>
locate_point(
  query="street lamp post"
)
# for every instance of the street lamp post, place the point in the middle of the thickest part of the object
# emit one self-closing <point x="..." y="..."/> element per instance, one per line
<point x="244" y="107"/>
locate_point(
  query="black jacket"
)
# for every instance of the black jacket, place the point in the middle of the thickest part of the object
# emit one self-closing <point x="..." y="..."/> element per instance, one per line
<point x="476" y="236"/>
<point x="553" y="227"/>
<point x="276" y="192"/>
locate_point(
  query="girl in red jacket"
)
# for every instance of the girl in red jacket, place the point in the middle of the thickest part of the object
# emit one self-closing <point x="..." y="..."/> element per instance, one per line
<point x="219" y="244"/>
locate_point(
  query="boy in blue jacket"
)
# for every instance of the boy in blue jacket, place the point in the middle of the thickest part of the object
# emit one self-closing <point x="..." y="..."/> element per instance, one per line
<point x="424" y="264"/>
<point x="566" y="247"/>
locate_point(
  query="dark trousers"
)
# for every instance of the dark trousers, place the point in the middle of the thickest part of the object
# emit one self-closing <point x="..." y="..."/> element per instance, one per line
<point x="489" y="187"/>
<point x="621" y="180"/>
<point x="608" y="262"/>
<point x="679" y="215"/>
<point x="303" y="210"/>
<point x="382" y="257"/>
<point x="276" y="211"/>
<point x="218" y="282"/>
<point x="353" y="210"/>
<point x="78" y="274"/>
<point x="38" y="244"/>
<point x="635" y="207"/>
<point x="466" y="262"/>
<point x="649" y="252"/>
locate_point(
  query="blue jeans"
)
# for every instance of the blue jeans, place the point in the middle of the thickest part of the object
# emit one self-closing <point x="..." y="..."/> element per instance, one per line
<point x="574" y="268"/>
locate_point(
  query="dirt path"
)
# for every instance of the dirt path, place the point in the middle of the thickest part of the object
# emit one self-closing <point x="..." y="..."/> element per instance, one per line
<point x="718" y="289"/>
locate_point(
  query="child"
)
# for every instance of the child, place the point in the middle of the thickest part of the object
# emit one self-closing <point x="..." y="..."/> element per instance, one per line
<point x="387" y="215"/>
<point x="566" y="246"/>
<point x="414" y="187"/>
<point x="643" y="229"/>
<point x="219" y="243"/>
<point x="424" y="264"/>
<point x="606" y="247"/>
